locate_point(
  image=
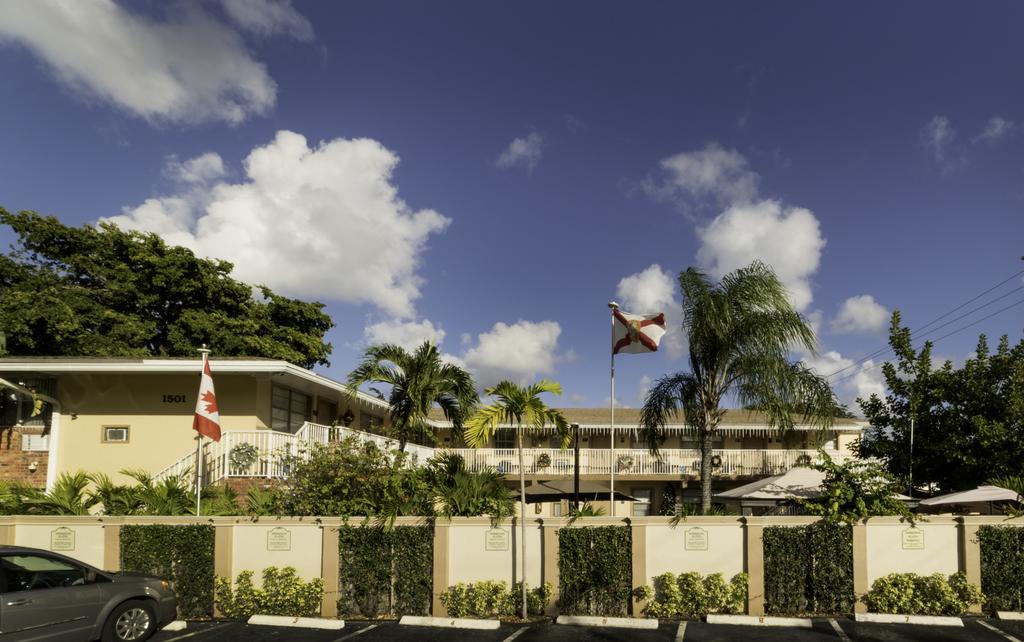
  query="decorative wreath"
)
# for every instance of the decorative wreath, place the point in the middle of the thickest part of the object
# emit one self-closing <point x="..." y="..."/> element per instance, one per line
<point x="625" y="462"/>
<point x="243" y="456"/>
<point x="716" y="461"/>
<point x="544" y="460"/>
<point x="803" y="460"/>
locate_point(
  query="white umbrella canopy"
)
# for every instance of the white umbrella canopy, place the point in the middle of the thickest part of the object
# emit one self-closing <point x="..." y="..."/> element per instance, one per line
<point x="979" y="495"/>
<point x="796" y="482"/>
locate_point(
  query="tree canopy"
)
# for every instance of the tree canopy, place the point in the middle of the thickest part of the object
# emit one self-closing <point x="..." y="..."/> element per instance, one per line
<point x="104" y="291"/>
<point x="968" y="421"/>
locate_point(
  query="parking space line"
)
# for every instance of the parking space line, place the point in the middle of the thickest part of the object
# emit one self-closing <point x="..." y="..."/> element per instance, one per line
<point x="1001" y="632"/>
<point x="681" y="631"/>
<point x="355" y="633"/>
<point x="188" y="635"/>
<point x="516" y="634"/>
<point x="839" y="630"/>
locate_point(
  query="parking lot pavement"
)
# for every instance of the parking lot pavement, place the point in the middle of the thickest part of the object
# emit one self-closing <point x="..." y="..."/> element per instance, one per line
<point x="975" y="630"/>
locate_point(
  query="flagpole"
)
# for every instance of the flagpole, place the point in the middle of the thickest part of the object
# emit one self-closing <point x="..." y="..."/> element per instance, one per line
<point x="199" y="442"/>
<point x="611" y="493"/>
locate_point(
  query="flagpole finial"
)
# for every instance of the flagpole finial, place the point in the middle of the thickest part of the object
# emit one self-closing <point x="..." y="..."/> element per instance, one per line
<point x="613" y="305"/>
<point x="204" y="350"/>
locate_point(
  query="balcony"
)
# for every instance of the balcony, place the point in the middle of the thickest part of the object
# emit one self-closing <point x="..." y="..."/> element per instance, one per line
<point x="639" y="462"/>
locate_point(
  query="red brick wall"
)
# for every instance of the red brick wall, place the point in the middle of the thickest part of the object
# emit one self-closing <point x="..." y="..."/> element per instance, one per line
<point x="14" y="462"/>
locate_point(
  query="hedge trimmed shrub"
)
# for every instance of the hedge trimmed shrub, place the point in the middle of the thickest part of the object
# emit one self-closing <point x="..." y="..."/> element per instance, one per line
<point x="385" y="572"/>
<point x="808" y="569"/>
<point x="494" y="599"/>
<point x="282" y="593"/>
<point x="181" y="554"/>
<point x="1002" y="567"/>
<point x="691" y="597"/>
<point x="913" y="594"/>
<point x="595" y="569"/>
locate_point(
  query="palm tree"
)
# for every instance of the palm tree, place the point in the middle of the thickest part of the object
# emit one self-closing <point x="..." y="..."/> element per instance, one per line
<point x="740" y="332"/>
<point x="521" y="407"/>
<point x="418" y="380"/>
<point x="69" y="496"/>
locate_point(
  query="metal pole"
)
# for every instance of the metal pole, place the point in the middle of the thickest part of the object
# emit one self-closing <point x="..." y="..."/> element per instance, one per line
<point x="576" y="468"/>
<point x="522" y="519"/>
<point x="199" y="442"/>
<point x="910" y="476"/>
<point x="611" y="493"/>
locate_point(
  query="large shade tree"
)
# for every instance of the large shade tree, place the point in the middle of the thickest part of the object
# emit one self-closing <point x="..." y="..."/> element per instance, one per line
<point x="521" y="407"/>
<point x="419" y="380"/>
<point x="740" y="333"/>
<point x="103" y="291"/>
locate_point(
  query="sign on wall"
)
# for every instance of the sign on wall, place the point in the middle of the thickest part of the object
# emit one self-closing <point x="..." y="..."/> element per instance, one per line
<point x="695" y="539"/>
<point x="279" y="539"/>
<point x="62" y="539"/>
<point x="913" y="539"/>
<point x="496" y="539"/>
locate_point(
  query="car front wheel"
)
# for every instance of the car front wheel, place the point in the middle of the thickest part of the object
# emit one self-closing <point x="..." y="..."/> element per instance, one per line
<point x="132" y="621"/>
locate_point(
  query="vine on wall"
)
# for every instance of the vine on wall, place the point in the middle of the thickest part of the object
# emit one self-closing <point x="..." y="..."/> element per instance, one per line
<point x="595" y="568"/>
<point x="808" y="569"/>
<point x="181" y="554"/>
<point x="385" y="572"/>
<point x="1002" y="567"/>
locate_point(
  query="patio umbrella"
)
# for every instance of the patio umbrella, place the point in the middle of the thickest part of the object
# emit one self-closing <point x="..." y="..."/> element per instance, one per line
<point x="979" y="495"/>
<point x="557" y="490"/>
<point x="796" y="482"/>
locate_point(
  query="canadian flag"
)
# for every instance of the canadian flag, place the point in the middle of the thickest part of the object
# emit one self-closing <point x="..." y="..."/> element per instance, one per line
<point x="635" y="333"/>
<point x="207" y="419"/>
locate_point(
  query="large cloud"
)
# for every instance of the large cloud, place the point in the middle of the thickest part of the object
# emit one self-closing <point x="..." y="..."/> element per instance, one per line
<point x="318" y="222"/>
<point x="521" y="351"/>
<point x="711" y="171"/>
<point x="650" y="291"/>
<point x="860" y="314"/>
<point x="187" y="68"/>
<point x="860" y="380"/>
<point x="407" y="334"/>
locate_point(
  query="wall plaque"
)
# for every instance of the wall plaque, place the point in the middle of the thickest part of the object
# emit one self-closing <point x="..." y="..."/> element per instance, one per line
<point x="695" y="539"/>
<point x="913" y="539"/>
<point x="62" y="539"/>
<point x="496" y="539"/>
<point x="279" y="539"/>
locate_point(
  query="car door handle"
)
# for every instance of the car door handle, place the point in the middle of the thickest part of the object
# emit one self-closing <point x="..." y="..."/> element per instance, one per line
<point x="19" y="602"/>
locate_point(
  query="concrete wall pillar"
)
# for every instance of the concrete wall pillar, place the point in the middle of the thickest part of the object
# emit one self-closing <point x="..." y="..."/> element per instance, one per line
<point x="970" y="555"/>
<point x="549" y="568"/>
<point x="754" y="550"/>
<point x="860" y="565"/>
<point x="330" y="571"/>
<point x="222" y="556"/>
<point x="112" y="547"/>
<point x="639" y="536"/>
<point x="7" y="534"/>
<point x="441" y="537"/>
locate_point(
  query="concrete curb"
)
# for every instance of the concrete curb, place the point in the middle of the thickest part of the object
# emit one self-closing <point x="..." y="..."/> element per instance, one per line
<point x="890" y="618"/>
<point x="616" y="622"/>
<point x="175" y="625"/>
<point x="450" y="622"/>
<point x="760" y="620"/>
<point x="1010" y="615"/>
<point x="297" y="622"/>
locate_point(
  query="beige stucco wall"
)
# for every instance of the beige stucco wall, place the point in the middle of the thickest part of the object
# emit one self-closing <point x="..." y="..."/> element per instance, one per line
<point x="87" y="539"/>
<point x="666" y="550"/>
<point x="469" y="561"/>
<point x="250" y="549"/>
<point x="885" y="552"/>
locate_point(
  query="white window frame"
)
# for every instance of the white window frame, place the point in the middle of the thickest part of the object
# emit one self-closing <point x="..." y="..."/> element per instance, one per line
<point x="107" y="440"/>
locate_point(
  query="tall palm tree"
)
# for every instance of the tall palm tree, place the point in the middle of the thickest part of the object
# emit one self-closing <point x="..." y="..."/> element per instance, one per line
<point x="740" y="332"/>
<point x="418" y="380"/>
<point x="523" y="408"/>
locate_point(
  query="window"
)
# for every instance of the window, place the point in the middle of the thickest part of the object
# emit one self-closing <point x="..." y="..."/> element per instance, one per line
<point x="505" y="438"/>
<point x="556" y="509"/>
<point x="642" y="505"/>
<point x="115" y="434"/>
<point x="288" y="409"/>
<point x="35" y="572"/>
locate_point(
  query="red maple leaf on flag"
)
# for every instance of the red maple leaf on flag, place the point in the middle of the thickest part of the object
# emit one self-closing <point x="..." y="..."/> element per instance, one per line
<point x="211" y="401"/>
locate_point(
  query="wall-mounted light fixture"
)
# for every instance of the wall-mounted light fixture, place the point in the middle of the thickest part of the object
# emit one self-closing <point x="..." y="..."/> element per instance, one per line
<point x="348" y="418"/>
<point x="33" y="466"/>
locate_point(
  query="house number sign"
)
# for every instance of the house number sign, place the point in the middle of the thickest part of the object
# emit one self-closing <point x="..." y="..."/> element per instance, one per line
<point x="279" y="539"/>
<point x="913" y="539"/>
<point x="174" y="398"/>
<point x="62" y="539"/>
<point x="696" y="539"/>
<point x="496" y="539"/>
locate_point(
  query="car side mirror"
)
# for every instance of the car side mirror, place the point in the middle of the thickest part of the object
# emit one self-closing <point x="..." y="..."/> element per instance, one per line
<point x="90" y="576"/>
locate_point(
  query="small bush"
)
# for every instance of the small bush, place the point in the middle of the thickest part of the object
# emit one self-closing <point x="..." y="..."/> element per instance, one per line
<point x="913" y="594"/>
<point x="494" y="599"/>
<point x="689" y="596"/>
<point x="282" y="593"/>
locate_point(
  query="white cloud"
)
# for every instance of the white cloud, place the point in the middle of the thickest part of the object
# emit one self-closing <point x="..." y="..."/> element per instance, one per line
<point x="788" y="239"/>
<point x="201" y="169"/>
<point x="651" y="291"/>
<point x="521" y="351"/>
<point x="315" y="222"/>
<point x="854" y="381"/>
<point x="645" y="387"/>
<point x="937" y="138"/>
<point x="712" y="171"/>
<point x="860" y="314"/>
<point x="269" y="18"/>
<point x="407" y="334"/>
<point x="996" y="129"/>
<point x="522" y="152"/>
<point x="188" y="68"/>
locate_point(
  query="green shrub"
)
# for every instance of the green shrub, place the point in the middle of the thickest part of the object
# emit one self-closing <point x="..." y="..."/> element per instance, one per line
<point x="181" y="554"/>
<point x="913" y="594"/>
<point x="489" y="599"/>
<point x="595" y="569"/>
<point x="282" y="593"/>
<point x="385" y="572"/>
<point x="1002" y="567"/>
<point x="808" y="569"/>
<point x="691" y="597"/>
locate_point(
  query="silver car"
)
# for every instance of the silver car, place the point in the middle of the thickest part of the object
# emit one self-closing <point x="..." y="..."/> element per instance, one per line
<point x="47" y="596"/>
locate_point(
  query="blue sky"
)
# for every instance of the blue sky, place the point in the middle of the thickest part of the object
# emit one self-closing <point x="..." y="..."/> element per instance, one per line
<point x="490" y="175"/>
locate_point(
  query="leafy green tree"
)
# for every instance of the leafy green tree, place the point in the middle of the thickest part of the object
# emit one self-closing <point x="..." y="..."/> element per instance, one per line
<point x="968" y="422"/>
<point x="418" y="380"/>
<point x="459" y="492"/>
<point x="522" y="407"/>
<point x="853" y="490"/>
<point x="740" y="332"/>
<point x="102" y="291"/>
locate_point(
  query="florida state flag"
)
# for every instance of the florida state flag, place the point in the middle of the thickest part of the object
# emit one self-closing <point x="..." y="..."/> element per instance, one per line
<point x="635" y="333"/>
<point x="207" y="419"/>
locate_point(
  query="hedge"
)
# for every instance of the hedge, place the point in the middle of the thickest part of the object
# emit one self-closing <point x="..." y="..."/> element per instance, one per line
<point x="181" y="554"/>
<point x="385" y="572"/>
<point x="1002" y="567"/>
<point x="808" y="569"/>
<point x="595" y="570"/>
